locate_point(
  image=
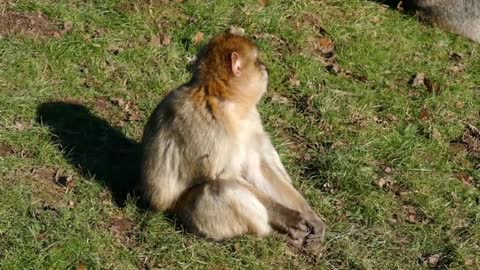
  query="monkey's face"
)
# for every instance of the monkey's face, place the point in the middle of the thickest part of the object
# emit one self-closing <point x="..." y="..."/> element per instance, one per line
<point x="255" y="75"/>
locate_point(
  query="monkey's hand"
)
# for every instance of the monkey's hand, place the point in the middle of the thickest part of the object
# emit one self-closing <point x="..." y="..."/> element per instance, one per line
<point x="292" y="223"/>
<point x="317" y="230"/>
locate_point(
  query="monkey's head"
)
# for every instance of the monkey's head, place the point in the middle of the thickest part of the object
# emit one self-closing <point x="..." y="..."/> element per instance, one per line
<point x="233" y="60"/>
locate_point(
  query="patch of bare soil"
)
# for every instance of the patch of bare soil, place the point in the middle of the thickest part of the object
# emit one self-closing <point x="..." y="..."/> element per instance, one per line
<point x="9" y="150"/>
<point x="123" y="229"/>
<point x="34" y="24"/>
<point x="6" y="150"/>
<point x="48" y="186"/>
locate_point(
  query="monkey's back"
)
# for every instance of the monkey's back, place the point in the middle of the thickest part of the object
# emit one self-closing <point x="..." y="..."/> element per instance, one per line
<point x="178" y="140"/>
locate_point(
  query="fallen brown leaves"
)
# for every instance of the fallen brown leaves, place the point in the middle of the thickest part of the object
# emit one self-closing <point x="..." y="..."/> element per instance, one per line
<point x="420" y="79"/>
<point x="388" y="184"/>
<point x="64" y="180"/>
<point x="198" y="38"/>
<point x="471" y="138"/>
<point x="162" y="40"/>
<point x="263" y="3"/>
<point x="81" y="266"/>
<point x="236" y="30"/>
<point x="324" y="47"/>
<point x="129" y="110"/>
<point x="431" y="260"/>
<point x="132" y="113"/>
<point x="415" y="215"/>
<point x="457" y="66"/>
<point x="465" y="178"/>
<point x="424" y="114"/>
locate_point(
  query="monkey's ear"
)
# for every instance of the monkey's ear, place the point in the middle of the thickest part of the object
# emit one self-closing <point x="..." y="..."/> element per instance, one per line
<point x="236" y="64"/>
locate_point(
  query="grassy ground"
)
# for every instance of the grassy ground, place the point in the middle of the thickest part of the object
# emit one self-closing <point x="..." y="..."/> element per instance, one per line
<point x="392" y="164"/>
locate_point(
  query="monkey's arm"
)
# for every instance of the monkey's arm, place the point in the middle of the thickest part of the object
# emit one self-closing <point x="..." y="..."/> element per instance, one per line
<point x="265" y="172"/>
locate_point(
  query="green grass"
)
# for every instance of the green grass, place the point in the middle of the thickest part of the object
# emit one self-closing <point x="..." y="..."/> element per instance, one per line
<point x="335" y="133"/>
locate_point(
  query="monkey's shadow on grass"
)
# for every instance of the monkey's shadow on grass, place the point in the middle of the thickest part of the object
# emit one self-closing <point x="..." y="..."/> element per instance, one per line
<point x="95" y="148"/>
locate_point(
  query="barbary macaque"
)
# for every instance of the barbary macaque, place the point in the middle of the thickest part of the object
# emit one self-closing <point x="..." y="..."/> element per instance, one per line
<point x="457" y="16"/>
<point x="208" y="160"/>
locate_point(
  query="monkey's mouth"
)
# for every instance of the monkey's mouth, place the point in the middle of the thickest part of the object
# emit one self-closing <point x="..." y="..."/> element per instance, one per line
<point x="264" y="72"/>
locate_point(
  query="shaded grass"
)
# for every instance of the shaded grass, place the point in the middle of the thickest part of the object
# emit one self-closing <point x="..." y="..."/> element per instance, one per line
<point x="335" y="133"/>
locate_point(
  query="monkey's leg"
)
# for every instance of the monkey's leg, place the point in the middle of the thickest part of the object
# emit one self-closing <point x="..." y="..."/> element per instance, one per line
<point x="266" y="173"/>
<point x="225" y="209"/>
<point x="286" y="194"/>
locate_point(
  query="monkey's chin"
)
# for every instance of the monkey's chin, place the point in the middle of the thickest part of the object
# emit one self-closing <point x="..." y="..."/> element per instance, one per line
<point x="264" y="87"/>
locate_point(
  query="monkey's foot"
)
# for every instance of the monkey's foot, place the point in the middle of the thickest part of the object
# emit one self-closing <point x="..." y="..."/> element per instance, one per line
<point x="291" y="223"/>
<point x="317" y="231"/>
<point x="297" y="229"/>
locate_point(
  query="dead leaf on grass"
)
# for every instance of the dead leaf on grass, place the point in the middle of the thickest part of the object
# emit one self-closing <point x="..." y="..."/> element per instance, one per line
<point x="326" y="47"/>
<point x="134" y="116"/>
<point x="375" y="20"/>
<point x="455" y="57"/>
<point x="414" y="215"/>
<point x="388" y="184"/>
<point x="132" y="113"/>
<point x="6" y="150"/>
<point x="63" y="180"/>
<point x="465" y="178"/>
<point x="400" y="6"/>
<point x="424" y="114"/>
<point x="294" y="81"/>
<point x="418" y="80"/>
<point x="277" y="98"/>
<point x="118" y="101"/>
<point x="431" y="260"/>
<point x="114" y="49"/>
<point x="471" y="138"/>
<point x="333" y="68"/>
<point x="155" y="41"/>
<point x="81" y="266"/>
<point x="436" y="135"/>
<point x="19" y="125"/>
<point x="457" y="68"/>
<point x="198" y="38"/>
<point x="46" y="173"/>
<point x="163" y="40"/>
<point x="67" y="27"/>
<point x="432" y="87"/>
<point x="237" y="30"/>
<point x="166" y="40"/>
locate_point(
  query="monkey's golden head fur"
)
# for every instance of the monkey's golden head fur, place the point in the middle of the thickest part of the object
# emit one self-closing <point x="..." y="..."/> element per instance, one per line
<point x="228" y="66"/>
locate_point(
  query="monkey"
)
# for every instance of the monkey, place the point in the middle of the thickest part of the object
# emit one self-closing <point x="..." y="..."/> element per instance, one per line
<point x="457" y="16"/>
<point x="208" y="160"/>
